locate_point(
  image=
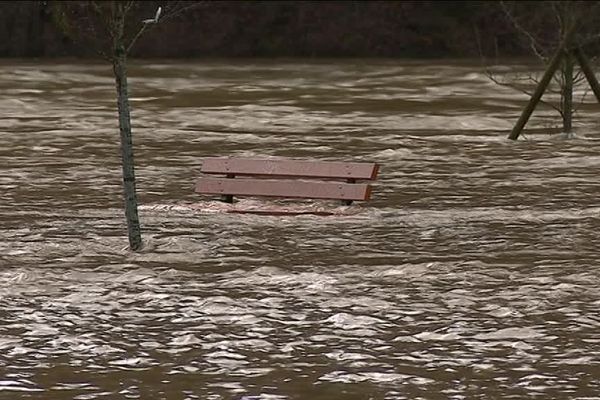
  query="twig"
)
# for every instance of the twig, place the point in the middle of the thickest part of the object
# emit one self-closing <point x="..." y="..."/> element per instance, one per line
<point x="173" y="11"/>
<point x="532" y="41"/>
<point x="491" y="76"/>
<point x="169" y="13"/>
<point x="135" y="38"/>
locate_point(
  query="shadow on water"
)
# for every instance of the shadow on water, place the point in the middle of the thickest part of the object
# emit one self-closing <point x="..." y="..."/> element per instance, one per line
<point x="471" y="274"/>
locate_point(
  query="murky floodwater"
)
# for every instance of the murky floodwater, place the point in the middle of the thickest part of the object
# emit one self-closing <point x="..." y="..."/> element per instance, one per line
<point x="473" y="273"/>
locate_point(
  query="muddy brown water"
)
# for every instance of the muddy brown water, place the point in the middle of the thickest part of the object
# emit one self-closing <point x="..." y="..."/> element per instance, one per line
<point x="473" y="272"/>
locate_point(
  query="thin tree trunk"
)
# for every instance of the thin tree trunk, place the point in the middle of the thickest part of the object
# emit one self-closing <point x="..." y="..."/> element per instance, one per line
<point x="542" y="85"/>
<point x="588" y="72"/>
<point x="567" y="93"/>
<point x="537" y="95"/>
<point x="131" y="206"/>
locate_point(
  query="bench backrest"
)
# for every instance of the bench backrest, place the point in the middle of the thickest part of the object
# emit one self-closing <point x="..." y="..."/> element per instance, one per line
<point x="290" y="168"/>
<point x="271" y="177"/>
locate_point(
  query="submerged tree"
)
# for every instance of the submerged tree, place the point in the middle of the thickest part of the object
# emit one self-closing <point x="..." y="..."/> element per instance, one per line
<point x="111" y="29"/>
<point x="556" y="32"/>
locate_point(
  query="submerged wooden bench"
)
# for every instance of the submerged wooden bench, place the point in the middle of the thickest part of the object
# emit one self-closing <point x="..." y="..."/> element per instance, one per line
<point x="285" y="178"/>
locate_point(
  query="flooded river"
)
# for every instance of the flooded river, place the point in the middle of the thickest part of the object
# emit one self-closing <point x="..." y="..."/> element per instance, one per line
<point x="473" y="272"/>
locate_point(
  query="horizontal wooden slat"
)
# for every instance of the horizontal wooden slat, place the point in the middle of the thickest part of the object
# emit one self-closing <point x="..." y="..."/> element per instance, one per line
<point x="284" y="188"/>
<point x="290" y="168"/>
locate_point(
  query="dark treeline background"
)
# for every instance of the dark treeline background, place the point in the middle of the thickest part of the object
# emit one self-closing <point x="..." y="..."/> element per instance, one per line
<point x="287" y="29"/>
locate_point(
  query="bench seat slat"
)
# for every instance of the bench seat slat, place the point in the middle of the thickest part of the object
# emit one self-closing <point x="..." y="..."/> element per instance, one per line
<point x="290" y="168"/>
<point x="284" y="188"/>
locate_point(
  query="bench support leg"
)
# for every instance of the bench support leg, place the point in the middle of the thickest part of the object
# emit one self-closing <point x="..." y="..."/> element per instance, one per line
<point x="348" y="202"/>
<point x="228" y="198"/>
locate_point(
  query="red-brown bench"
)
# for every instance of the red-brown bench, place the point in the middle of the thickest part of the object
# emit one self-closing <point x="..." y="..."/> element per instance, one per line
<point x="286" y="178"/>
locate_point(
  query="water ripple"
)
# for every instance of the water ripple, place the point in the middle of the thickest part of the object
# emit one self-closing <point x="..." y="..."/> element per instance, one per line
<point x="472" y="273"/>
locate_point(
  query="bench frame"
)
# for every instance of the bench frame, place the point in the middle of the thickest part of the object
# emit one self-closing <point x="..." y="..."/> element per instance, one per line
<point x="286" y="178"/>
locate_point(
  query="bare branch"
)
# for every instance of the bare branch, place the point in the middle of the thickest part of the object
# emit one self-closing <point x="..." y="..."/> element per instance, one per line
<point x="579" y="77"/>
<point x="577" y="106"/>
<point x="533" y="43"/>
<point x="172" y="9"/>
<point x="558" y="15"/>
<point x="128" y="6"/>
<point x="135" y="38"/>
<point x="498" y="82"/>
<point x="177" y="8"/>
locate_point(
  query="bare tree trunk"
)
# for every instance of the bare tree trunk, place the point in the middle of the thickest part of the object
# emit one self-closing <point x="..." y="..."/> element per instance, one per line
<point x="588" y="72"/>
<point x="537" y="95"/>
<point x="131" y="206"/>
<point x="567" y="92"/>
<point x="543" y="84"/>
